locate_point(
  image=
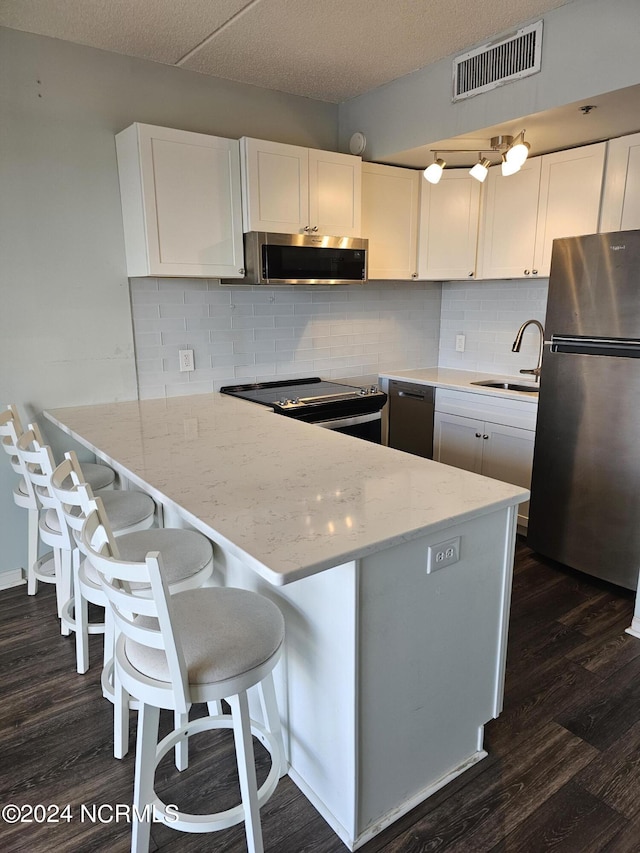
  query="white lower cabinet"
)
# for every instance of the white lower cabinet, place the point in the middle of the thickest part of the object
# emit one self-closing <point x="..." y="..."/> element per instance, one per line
<point x="493" y="437"/>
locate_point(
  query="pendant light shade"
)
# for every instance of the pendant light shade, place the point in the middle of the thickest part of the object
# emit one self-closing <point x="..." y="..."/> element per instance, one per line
<point x="433" y="173"/>
<point x="509" y="168"/>
<point x="481" y="169"/>
<point x="519" y="151"/>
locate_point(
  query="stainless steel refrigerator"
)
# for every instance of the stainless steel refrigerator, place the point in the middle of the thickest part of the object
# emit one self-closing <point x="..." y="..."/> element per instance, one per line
<point x="585" y="490"/>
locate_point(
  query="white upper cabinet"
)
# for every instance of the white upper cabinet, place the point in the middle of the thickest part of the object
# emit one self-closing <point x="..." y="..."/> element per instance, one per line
<point x="181" y="203"/>
<point x="292" y="190"/>
<point x="390" y="220"/>
<point x="621" y="198"/>
<point x="448" y="229"/>
<point x="570" y="194"/>
<point x="508" y="231"/>
<point x="556" y="195"/>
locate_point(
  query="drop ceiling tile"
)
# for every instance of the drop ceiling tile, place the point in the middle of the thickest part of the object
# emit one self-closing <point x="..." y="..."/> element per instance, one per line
<point x="161" y="30"/>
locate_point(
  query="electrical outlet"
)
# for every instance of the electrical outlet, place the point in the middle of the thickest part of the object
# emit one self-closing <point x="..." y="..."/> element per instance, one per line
<point x="443" y="554"/>
<point x="186" y="360"/>
<point x="460" y="343"/>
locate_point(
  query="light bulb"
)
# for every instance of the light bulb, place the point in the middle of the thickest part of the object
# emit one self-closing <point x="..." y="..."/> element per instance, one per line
<point x="433" y="173"/>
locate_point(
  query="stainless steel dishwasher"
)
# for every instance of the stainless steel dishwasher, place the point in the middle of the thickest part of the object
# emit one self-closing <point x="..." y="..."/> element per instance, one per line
<point x="411" y="417"/>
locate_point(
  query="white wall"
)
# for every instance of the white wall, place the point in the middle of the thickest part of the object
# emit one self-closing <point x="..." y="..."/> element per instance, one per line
<point x="590" y="47"/>
<point x="65" y="321"/>
<point x="252" y="334"/>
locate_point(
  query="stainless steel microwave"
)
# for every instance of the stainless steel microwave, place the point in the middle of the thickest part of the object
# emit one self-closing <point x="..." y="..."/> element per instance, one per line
<point x="303" y="259"/>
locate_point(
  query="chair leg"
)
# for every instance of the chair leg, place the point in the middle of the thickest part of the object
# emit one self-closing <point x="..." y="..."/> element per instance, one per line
<point x="120" y="718"/>
<point x="214" y="708"/>
<point x="246" y="771"/>
<point x="148" y="719"/>
<point x="182" y="747"/>
<point x="271" y="717"/>
<point x="61" y="571"/>
<point x="32" y="550"/>
<point x="81" y="614"/>
<point x="64" y="584"/>
<point x="109" y="638"/>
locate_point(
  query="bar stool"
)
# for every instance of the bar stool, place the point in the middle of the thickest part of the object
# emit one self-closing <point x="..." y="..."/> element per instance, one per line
<point x="189" y="565"/>
<point x="100" y="477"/>
<point x="194" y="646"/>
<point x="23" y="494"/>
<point x="128" y="511"/>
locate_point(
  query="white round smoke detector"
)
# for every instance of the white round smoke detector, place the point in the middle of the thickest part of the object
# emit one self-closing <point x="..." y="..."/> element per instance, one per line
<point x="357" y="143"/>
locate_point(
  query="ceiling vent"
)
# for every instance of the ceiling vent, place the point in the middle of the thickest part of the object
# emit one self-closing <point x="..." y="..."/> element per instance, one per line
<point x="498" y="62"/>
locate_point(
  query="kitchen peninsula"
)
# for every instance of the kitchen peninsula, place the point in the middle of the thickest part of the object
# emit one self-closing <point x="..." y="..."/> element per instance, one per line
<point x="393" y="574"/>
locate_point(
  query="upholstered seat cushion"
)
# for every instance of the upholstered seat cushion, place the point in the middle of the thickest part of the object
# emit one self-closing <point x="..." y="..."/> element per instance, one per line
<point x="183" y="552"/>
<point x="224" y="632"/>
<point x="124" y="509"/>
<point x="98" y="476"/>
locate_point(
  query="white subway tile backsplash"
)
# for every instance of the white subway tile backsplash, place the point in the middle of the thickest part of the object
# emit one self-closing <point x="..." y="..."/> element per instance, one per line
<point x="256" y="334"/>
<point x="489" y="314"/>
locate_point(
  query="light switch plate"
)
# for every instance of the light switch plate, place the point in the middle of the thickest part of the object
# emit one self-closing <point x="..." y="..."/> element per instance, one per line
<point x="460" y="341"/>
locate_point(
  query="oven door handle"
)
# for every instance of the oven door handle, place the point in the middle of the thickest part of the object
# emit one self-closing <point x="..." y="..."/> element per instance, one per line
<point x="339" y="423"/>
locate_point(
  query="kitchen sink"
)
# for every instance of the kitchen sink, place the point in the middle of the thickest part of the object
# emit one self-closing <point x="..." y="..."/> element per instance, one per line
<point x="508" y="386"/>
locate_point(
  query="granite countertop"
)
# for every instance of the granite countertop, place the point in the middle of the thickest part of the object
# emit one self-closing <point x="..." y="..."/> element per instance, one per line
<point x="289" y="498"/>
<point x="461" y="380"/>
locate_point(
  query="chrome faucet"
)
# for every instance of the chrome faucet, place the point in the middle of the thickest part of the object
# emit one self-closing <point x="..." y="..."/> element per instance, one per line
<point x="518" y="341"/>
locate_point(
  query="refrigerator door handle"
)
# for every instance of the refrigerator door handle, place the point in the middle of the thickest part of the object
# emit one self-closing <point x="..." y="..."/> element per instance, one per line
<point x="583" y="345"/>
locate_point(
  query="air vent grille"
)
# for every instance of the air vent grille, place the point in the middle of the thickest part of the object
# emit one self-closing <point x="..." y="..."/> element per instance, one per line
<point x="499" y="62"/>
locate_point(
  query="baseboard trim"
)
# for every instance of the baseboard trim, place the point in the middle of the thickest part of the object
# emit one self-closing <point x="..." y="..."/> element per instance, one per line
<point x="14" y="577"/>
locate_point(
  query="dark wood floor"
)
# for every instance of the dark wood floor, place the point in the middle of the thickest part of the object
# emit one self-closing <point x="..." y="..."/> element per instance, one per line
<point x="563" y="772"/>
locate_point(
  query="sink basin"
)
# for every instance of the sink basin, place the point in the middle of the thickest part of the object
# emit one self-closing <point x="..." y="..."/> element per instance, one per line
<point x="509" y="386"/>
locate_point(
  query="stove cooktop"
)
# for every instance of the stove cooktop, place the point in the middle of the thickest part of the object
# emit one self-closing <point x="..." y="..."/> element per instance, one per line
<point x="311" y="398"/>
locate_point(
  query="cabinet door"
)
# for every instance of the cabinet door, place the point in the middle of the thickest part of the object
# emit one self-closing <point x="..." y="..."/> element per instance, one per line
<point x="508" y="230"/>
<point x="569" y="204"/>
<point x="448" y="229"/>
<point x="181" y="202"/>
<point x="621" y="195"/>
<point x="507" y="455"/>
<point x="390" y="220"/>
<point x="335" y="193"/>
<point x="275" y="183"/>
<point x="458" y="441"/>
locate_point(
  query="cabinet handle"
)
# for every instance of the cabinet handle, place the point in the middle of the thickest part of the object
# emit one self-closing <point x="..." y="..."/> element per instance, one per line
<point x="527" y="272"/>
<point x="306" y="228"/>
<point x="535" y="272"/>
<point x="478" y="435"/>
<point x="485" y="437"/>
<point x="470" y="275"/>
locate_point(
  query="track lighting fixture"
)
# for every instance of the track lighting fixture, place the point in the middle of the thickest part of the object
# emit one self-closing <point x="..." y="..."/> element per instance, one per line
<point x="433" y="173"/>
<point x="513" y="153"/>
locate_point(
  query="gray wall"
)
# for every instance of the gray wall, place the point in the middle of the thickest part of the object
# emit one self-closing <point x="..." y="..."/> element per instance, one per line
<point x="590" y="47"/>
<point x="65" y="321"/>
